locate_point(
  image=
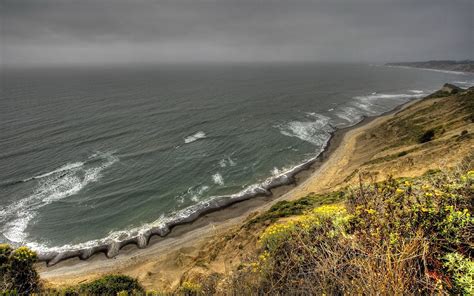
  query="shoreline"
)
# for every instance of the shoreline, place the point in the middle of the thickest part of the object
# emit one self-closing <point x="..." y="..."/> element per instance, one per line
<point x="210" y="223"/>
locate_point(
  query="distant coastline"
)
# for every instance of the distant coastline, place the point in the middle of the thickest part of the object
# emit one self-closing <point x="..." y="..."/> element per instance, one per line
<point x="445" y="65"/>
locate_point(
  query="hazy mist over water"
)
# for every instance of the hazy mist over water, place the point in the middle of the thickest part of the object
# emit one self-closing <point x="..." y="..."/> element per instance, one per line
<point x="93" y="154"/>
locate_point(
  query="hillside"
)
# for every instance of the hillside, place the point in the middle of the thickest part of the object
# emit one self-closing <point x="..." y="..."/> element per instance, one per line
<point x="460" y="66"/>
<point x="388" y="213"/>
<point x="433" y="135"/>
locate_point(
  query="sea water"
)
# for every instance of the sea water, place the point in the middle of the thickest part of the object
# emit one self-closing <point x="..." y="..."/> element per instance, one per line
<point x="93" y="155"/>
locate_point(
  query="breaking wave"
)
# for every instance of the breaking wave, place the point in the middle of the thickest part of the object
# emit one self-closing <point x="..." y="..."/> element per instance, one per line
<point x="52" y="186"/>
<point x="67" y="167"/>
<point x="218" y="179"/>
<point x="314" y="128"/>
<point x="464" y="84"/>
<point x="194" y="137"/>
<point x="115" y="240"/>
<point x="316" y="131"/>
<point x="193" y="193"/>
<point x="375" y="103"/>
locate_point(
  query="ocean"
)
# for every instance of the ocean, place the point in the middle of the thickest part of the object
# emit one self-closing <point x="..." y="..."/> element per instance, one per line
<point x="94" y="155"/>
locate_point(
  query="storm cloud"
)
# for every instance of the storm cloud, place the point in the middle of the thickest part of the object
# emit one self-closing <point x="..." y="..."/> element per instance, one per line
<point x="139" y="31"/>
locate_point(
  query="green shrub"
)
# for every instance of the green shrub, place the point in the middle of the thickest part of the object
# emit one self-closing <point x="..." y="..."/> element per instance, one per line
<point x="427" y="136"/>
<point x="188" y="288"/>
<point x="18" y="274"/>
<point x="286" y="208"/>
<point x="5" y="251"/>
<point x="111" y="285"/>
<point x="392" y="237"/>
<point x="462" y="272"/>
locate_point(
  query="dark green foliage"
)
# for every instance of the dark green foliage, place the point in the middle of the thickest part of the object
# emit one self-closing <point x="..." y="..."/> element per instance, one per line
<point x="440" y="115"/>
<point x="468" y="104"/>
<point x="427" y="136"/>
<point x="5" y="252"/>
<point x="439" y="94"/>
<point x="286" y="208"/>
<point x="403" y="153"/>
<point x="17" y="272"/>
<point x="431" y="172"/>
<point x="111" y="285"/>
<point x="440" y="208"/>
<point x="389" y="157"/>
<point x="463" y="136"/>
<point x="403" y="236"/>
<point x="437" y="207"/>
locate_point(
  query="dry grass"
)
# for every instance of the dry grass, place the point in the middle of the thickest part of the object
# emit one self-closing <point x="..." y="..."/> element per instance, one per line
<point x="392" y="240"/>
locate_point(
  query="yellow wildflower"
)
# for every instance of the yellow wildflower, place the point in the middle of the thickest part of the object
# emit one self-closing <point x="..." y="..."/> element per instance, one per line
<point x="399" y="191"/>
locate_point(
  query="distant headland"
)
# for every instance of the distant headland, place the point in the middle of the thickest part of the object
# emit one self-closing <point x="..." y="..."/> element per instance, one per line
<point x="445" y="65"/>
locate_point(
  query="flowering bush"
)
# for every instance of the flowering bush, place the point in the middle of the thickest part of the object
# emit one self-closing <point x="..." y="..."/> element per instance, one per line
<point x="18" y="275"/>
<point x="406" y="228"/>
<point x="190" y="288"/>
<point x="462" y="270"/>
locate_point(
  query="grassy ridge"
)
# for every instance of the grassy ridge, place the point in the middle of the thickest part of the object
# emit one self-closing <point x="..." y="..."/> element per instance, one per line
<point x="410" y="235"/>
<point x="406" y="235"/>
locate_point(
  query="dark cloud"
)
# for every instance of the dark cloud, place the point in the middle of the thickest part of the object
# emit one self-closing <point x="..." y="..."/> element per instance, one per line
<point x="109" y="31"/>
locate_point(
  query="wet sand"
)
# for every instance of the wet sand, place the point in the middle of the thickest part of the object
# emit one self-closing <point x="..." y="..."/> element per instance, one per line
<point x="321" y="176"/>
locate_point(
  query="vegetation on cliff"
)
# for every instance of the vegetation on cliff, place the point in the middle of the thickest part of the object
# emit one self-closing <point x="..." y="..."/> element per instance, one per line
<point x="16" y="270"/>
<point x="372" y="235"/>
<point x="410" y="235"/>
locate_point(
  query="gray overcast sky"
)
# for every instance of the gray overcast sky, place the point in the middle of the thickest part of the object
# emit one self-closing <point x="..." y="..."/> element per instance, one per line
<point x="128" y="31"/>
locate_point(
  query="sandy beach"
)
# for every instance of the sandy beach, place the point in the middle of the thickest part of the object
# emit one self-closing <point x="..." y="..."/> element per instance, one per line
<point x="332" y="166"/>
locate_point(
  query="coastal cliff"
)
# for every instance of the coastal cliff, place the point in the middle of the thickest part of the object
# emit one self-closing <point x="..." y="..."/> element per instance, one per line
<point x="457" y="66"/>
<point x="388" y="210"/>
<point x="380" y="202"/>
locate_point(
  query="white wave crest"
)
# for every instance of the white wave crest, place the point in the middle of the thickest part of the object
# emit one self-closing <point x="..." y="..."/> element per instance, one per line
<point x="376" y="96"/>
<point x="67" y="167"/>
<point x="52" y="186"/>
<point x="120" y="235"/>
<point x="373" y="104"/>
<point x="194" y="137"/>
<point x="416" y="91"/>
<point x="194" y="193"/>
<point x="218" y="179"/>
<point x="349" y="114"/>
<point x="275" y="171"/>
<point x="315" y="132"/>
<point x="464" y="84"/>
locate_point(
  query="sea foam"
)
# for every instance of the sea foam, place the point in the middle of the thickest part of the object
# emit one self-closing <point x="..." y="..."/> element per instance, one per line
<point x="139" y="236"/>
<point x="316" y="131"/>
<point x="67" y="167"/>
<point x="52" y="186"/>
<point x="373" y="104"/>
<point x="194" y="137"/>
<point x="218" y="179"/>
